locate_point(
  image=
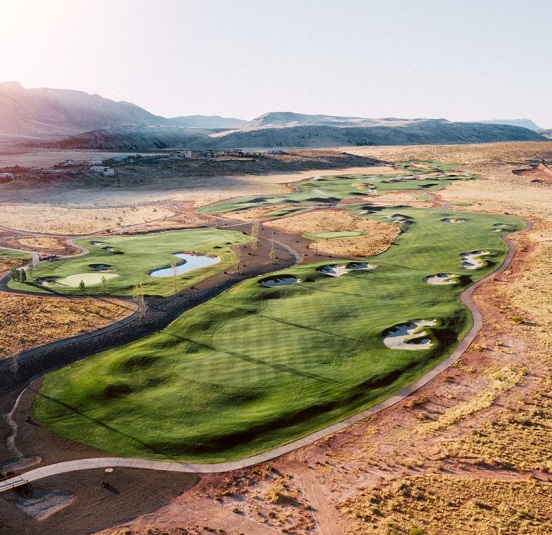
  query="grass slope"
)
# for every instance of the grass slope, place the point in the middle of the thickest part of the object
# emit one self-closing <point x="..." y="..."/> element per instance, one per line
<point x="133" y="257"/>
<point x="258" y="367"/>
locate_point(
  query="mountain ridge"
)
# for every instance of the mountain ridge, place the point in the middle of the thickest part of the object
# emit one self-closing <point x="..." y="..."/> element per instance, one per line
<point x="76" y="119"/>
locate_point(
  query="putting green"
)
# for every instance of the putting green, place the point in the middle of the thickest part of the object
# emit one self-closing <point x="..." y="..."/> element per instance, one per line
<point x="333" y="234"/>
<point x="89" y="279"/>
<point x="257" y="367"/>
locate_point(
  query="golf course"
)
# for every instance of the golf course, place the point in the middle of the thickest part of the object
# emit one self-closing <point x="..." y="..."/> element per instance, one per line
<point x="424" y="176"/>
<point x="263" y="364"/>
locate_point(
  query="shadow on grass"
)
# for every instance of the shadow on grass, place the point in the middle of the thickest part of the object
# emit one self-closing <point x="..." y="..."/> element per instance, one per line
<point x="99" y="423"/>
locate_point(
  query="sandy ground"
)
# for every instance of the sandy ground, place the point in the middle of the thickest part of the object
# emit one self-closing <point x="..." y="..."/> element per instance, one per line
<point x="376" y="237"/>
<point x="48" y="219"/>
<point x="468" y="453"/>
<point x="27" y="321"/>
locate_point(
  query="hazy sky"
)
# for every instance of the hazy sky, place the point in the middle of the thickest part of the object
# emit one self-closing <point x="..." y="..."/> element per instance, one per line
<point x="458" y="59"/>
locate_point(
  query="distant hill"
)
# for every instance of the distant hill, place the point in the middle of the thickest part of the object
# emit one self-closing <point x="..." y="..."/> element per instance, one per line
<point x="383" y="132"/>
<point x="75" y="119"/>
<point x="134" y="138"/>
<point x="39" y="113"/>
<point x="523" y="123"/>
<point x="55" y="112"/>
<point x="206" y="121"/>
<point x="290" y="119"/>
<point x="425" y="132"/>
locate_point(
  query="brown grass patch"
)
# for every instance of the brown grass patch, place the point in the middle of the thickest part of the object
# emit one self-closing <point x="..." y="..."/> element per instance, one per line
<point x="8" y="263"/>
<point x="433" y="505"/>
<point x="27" y="322"/>
<point x="48" y="219"/>
<point x="378" y="237"/>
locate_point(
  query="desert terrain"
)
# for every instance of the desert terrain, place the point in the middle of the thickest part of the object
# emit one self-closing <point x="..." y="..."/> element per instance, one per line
<point x="467" y="453"/>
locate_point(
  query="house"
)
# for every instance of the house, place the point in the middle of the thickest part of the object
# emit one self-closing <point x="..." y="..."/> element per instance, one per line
<point x="105" y="171"/>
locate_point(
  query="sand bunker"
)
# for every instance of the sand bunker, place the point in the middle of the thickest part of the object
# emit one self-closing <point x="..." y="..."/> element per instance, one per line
<point x="44" y="503"/>
<point x="500" y="227"/>
<point x="190" y="262"/>
<point x="112" y="250"/>
<point x="279" y="280"/>
<point x="89" y="279"/>
<point x="100" y="267"/>
<point x="409" y="335"/>
<point x="336" y="270"/>
<point x="400" y="219"/>
<point x="474" y="260"/>
<point x="443" y="278"/>
<point x="453" y="220"/>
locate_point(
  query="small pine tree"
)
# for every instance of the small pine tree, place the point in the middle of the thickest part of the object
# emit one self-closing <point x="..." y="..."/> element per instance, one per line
<point x="15" y="274"/>
<point x="22" y="275"/>
<point x="82" y="286"/>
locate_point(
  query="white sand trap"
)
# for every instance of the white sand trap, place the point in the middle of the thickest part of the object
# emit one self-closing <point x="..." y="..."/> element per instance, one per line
<point x="335" y="270"/>
<point x="474" y="260"/>
<point x="44" y="503"/>
<point x="284" y="280"/>
<point x="442" y="278"/>
<point x="89" y="279"/>
<point x="409" y="335"/>
<point x="453" y="220"/>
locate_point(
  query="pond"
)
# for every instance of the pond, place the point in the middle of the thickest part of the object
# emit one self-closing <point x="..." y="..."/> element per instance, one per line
<point x="191" y="262"/>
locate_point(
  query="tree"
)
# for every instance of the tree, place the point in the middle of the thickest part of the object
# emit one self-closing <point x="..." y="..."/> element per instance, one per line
<point x="104" y="285"/>
<point x="22" y="275"/>
<point x="255" y="235"/>
<point x="15" y="274"/>
<point x="238" y="256"/>
<point x="272" y="252"/>
<point x="82" y="286"/>
<point x="140" y="300"/>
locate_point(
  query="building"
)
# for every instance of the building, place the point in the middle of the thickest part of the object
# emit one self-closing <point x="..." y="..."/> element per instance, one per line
<point x="102" y="170"/>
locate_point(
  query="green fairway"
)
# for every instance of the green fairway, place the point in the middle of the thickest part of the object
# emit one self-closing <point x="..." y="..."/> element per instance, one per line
<point x="332" y="234"/>
<point x="329" y="190"/>
<point x="125" y="261"/>
<point x="8" y="253"/>
<point x="257" y="367"/>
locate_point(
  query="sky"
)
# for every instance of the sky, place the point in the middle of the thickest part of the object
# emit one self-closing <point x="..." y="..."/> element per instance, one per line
<point x="457" y="59"/>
